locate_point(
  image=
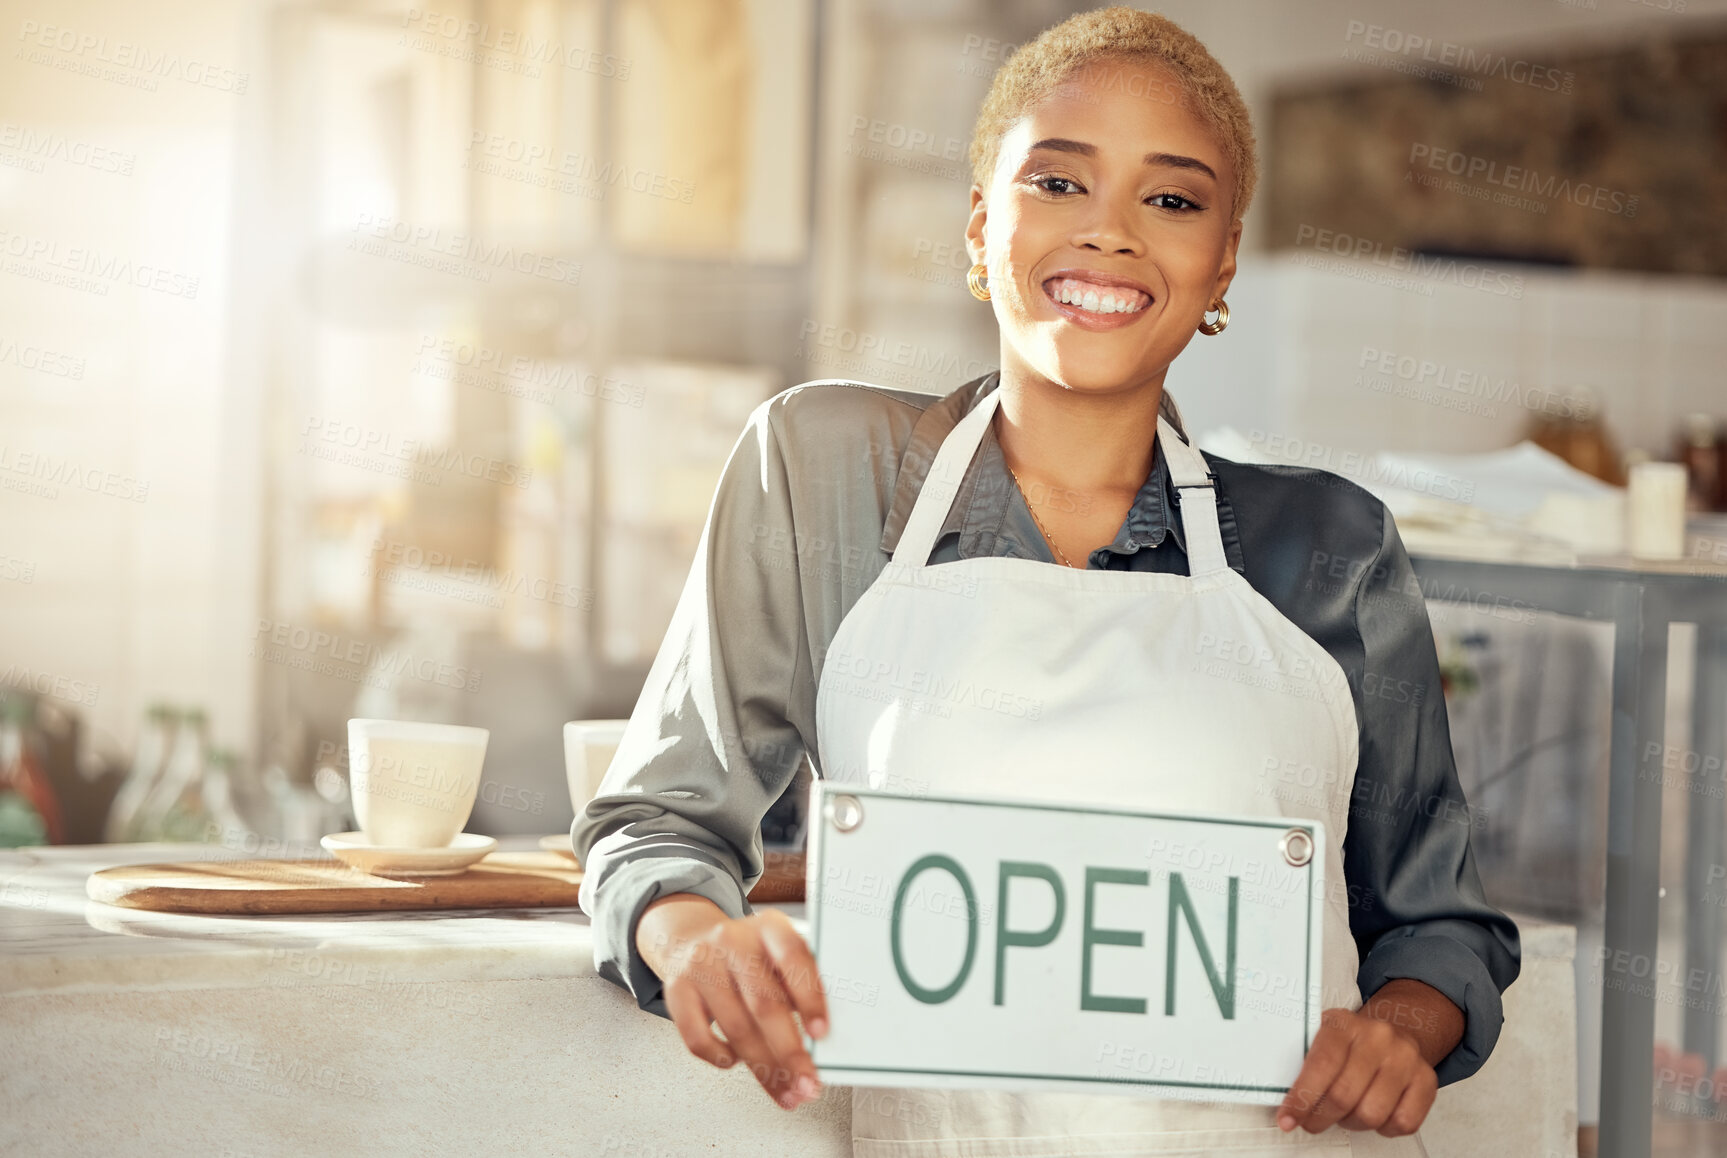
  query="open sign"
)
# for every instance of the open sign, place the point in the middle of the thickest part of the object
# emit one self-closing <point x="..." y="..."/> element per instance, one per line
<point x="1031" y="945"/>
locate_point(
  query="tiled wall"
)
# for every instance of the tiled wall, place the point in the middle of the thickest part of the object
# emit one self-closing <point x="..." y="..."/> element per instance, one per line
<point x="1300" y="356"/>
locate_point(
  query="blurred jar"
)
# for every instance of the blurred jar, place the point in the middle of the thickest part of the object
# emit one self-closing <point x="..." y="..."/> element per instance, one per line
<point x="149" y="762"/>
<point x="29" y="811"/>
<point x="1578" y="435"/>
<point x="1701" y="452"/>
<point x="227" y="825"/>
<point x="175" y="808"/>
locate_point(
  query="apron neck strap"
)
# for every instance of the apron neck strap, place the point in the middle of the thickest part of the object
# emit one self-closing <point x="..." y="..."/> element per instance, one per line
<point x="1187" y="470"/>
<point x="941" y="486"/>
<point x="1196" y="490"/>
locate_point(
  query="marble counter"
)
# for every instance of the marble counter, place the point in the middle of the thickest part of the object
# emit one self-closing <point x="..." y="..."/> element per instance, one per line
<point x="459" y="1032"/>
<point x="467" y="1032"/>
<point x="54" y="939"/>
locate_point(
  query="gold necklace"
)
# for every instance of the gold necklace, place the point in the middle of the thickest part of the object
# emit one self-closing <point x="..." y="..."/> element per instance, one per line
<point x="1048" y="538"/>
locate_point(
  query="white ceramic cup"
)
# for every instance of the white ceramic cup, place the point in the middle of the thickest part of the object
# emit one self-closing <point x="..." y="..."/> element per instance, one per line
<point x="1656" y="509"/>
<point x="589" y="746"/>
<point x="414" y="784"/>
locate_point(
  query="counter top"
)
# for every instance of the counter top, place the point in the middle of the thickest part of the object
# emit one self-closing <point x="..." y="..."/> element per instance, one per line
<point x="384" y="1033"/>
<point x="406" y="1033"/>
<point x="54" y="939"/>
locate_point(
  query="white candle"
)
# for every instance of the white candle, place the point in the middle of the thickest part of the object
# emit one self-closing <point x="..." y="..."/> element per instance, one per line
<point x="1656" y="509"/>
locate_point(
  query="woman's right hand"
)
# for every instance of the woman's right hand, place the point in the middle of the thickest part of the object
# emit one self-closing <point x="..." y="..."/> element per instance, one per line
<point x="748" y="975"/>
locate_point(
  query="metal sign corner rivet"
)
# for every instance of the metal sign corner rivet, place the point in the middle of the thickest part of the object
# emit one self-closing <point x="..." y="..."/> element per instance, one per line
<point x="845" y="812"/>
<point x="1296" y="846"/>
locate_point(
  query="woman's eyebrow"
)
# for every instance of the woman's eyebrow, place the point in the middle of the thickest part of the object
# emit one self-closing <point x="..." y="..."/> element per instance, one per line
<point x="1167" y="160"/>
<point x="1178" y="161"/>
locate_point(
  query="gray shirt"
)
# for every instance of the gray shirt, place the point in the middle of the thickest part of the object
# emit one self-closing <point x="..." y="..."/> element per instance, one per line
<point x="808" y="510"/>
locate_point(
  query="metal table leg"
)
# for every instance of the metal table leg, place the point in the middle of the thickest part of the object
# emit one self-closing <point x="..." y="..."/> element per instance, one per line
<point x="1705" y="874"/>
<point x="1705" y="857"/>
<point x="1633" y="876"/>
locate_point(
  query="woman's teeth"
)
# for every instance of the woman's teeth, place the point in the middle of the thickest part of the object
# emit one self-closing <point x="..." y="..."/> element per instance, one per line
<point x="1097" y="299"/>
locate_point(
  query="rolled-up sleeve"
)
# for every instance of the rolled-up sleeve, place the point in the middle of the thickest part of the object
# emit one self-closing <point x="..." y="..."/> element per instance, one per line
<point x="1417" y="906"/>
<point x="709" y="746"/>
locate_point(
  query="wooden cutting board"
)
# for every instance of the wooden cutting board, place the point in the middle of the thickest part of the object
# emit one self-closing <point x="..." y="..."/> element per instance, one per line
<point x="502" y="880"/>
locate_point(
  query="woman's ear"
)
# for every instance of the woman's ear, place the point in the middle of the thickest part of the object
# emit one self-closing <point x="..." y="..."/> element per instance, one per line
<point x="974" y="232"/>
<point x="1226" y="271"/>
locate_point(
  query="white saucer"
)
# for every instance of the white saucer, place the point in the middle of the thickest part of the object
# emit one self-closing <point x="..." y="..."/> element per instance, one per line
<point x="353" y="849"/>
<point x="558" y="842"/>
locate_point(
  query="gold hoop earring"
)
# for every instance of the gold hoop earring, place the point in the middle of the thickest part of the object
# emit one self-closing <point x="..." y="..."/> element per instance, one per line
<point x="976" y="280"/>
<point x="1212" y="329"/>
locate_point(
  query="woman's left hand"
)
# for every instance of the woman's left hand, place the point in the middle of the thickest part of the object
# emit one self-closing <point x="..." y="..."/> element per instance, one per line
<point x="1373" y="1068"/>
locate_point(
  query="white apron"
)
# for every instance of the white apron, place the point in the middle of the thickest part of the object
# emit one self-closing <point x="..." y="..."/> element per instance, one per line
<point x="1118" y="688"/>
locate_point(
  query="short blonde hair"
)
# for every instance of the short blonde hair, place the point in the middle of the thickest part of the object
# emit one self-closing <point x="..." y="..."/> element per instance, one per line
<point x="1081" y="41"/>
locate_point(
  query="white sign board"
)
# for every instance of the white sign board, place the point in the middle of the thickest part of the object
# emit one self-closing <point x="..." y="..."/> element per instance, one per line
<point x="1030" y="945"/>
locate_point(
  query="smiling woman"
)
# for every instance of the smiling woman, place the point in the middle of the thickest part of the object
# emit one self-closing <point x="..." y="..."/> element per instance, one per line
<point x="881" y="570"/>
<point x="1112" y="164"/>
